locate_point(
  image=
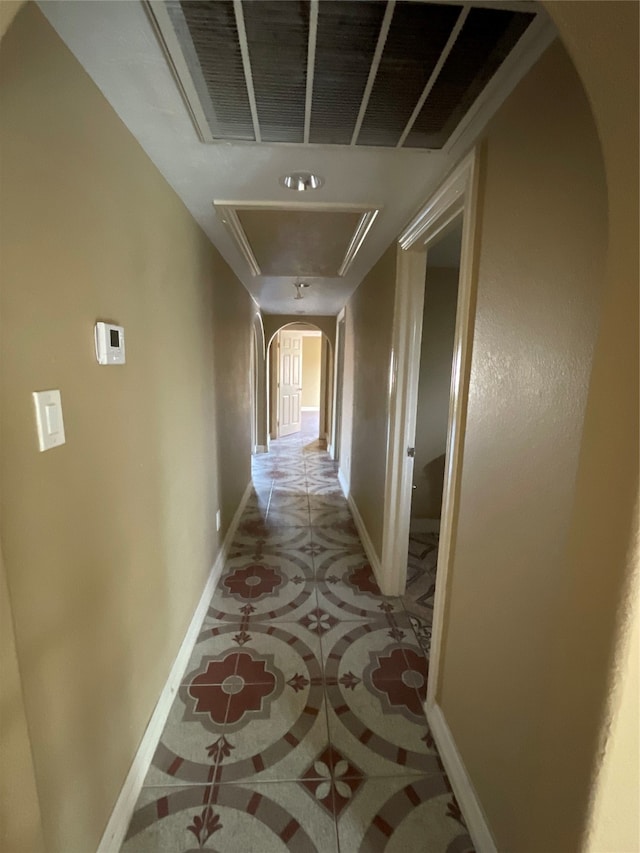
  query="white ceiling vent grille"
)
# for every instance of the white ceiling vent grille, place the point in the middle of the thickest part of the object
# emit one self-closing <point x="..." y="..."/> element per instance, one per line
<point x="387" y="73"/>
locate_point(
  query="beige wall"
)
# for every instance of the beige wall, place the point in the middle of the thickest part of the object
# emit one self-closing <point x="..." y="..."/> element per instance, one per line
<point x="273" y="322"/>
<point x="592" y="671"/>
<point x="541" y="271"/>
<point x="109" y="539"/>
<point x="311" y="350"/>
<point x="434" y="390"/>
<point x="538" y="678"/>
<point x="20" y="824"/>
<point x="368" y="344"/>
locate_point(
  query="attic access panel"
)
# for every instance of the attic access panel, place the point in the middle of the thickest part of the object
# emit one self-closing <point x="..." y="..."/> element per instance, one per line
<point x="337" y="72"/>
<point x="298" y="240"/>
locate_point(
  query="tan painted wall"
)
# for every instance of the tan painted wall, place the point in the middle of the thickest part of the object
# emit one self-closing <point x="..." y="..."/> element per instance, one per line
<point x="540" y="283"/>
<point x="107" y="540"/>
<point x="8" y="10"/>
<point x="311" y="350"/>
<point x="434" y="390"/>
<point x="20" y="824"/>
<point x="614" y="823"/>
<point x="369" y="326"/>
<point x="273" y="322"/>
<point x="20" y="820"/>
<point x="591" y="671"/>
<point x="538" y="670"/>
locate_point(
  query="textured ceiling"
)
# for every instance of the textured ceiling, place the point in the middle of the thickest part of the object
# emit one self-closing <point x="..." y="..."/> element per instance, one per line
<point x="118" y="46"/>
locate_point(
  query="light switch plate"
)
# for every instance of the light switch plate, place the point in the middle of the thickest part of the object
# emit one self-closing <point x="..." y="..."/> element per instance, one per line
<point x="48" y="406"/>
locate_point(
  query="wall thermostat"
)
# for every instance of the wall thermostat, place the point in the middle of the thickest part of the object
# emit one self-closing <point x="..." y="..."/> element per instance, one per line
<point x="109" y="344"/>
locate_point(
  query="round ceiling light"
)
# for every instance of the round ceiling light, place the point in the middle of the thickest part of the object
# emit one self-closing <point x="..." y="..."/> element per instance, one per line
<point x="301" y="181"/>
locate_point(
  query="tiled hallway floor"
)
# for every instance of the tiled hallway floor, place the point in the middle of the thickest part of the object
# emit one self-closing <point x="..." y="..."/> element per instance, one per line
<point x="299" y="725"/>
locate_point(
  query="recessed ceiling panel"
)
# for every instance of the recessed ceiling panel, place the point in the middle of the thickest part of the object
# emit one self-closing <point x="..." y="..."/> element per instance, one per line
<point x="299" y="242"/>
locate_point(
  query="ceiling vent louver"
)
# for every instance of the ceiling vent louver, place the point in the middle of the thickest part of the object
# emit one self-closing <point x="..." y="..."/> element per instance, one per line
<point x="346" y="42"/>
<point x="417" y="35"/>
<point x="277" y="37"/>
<point x="339" y="72"/>
<point x="486" y="39"/>
<point x="208" y="35"/>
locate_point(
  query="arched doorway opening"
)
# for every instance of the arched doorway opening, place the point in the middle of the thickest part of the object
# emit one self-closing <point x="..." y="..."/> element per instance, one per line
<point x="259" y="430"/>
<point x="299" y="382"/>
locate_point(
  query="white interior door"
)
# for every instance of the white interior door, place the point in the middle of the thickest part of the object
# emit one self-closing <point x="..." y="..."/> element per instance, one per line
<point x="289" y="382"/>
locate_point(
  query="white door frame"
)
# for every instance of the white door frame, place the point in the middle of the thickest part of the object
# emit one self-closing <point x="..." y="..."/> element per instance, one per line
<point x="338" y="368"/>
<point x="456" y="196"/>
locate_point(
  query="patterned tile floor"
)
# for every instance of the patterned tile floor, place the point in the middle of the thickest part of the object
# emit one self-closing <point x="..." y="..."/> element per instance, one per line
<point x="421" y="585"/>
<point x="298" y="725"/>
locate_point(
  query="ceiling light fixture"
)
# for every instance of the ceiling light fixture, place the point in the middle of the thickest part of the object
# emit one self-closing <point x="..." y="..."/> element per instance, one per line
<point x="301" y="181"/>
<point x="299" y="286"/>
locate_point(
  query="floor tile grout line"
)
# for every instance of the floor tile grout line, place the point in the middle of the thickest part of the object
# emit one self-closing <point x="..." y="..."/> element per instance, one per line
<point x="314" y="483"/>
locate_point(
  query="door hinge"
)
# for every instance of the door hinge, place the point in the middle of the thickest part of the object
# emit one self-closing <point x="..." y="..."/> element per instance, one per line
<point x="411" y="451"/>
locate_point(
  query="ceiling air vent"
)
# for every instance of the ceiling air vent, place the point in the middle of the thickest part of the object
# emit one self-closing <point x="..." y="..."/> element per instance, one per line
<point x="416" y="38"/>
<point x="345" y="44"/>
<point x="336" y="72"/>
<point x="277" y="38"/>
<point x="487" y="37"/>
<point x="208" y="36"/>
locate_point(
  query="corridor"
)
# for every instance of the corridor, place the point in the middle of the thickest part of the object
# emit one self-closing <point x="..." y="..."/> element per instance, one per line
<point x="299" y="725"/>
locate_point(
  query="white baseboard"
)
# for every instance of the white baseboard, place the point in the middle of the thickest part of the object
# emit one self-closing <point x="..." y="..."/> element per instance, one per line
<point x="309" y="408"/>
<point x="466" y="795"/>
<point x="344" y="485"/>
<point x="260" y="448"/>
<point x="118" y="824"/>
<point x="367" y="544"/>
<point x="424" y="525"/>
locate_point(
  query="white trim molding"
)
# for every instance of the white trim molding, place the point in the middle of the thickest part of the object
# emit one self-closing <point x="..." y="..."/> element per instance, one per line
<point x="230" y="220"/>
<point x="456" y="197"/>
<point x="359" y="236"/>
<point x="363" y="533"/>
<point x="474" y="815"/>
<point x="228" y="212"/>
<point x="338" y="368"/>
<point x="118" y="823"/>
<point x="361" y="527"/>
<point x="344" y="483"/>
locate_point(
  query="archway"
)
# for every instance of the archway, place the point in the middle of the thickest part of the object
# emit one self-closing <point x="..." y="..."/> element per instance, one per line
<point x="259" y="428"/>
<point x="324" y="392"/>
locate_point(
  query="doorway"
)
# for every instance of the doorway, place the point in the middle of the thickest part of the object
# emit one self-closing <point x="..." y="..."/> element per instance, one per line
<point x="454" y="203"/>
<point x="300" y="381"/>
<point x="432" y="420"/>
<point x="334" y="446"/>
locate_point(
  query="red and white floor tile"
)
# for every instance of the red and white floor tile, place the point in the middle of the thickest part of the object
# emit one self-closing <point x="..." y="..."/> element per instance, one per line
<point x="298" y="725"/>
